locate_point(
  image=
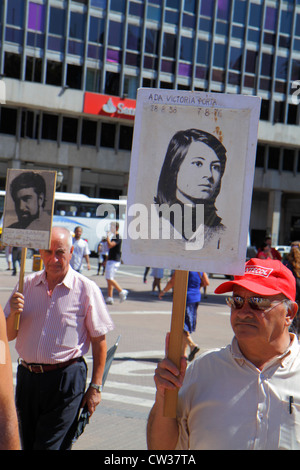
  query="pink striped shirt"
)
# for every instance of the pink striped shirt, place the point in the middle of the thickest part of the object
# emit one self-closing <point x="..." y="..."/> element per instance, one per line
<point x="58" y="327"/>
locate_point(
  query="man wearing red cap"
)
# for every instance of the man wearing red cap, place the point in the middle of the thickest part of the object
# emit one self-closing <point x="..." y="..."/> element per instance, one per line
<point x="246" y="395"/>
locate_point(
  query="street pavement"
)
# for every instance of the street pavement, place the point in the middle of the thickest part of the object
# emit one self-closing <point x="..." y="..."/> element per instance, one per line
<point x="119" y="422"/>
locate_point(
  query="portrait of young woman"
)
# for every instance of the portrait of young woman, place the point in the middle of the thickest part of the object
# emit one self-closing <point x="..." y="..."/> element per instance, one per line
<point x="191" y="174"/>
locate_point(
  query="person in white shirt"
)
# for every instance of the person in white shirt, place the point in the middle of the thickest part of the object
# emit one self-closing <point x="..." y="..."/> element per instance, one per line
<point x="81" y="250"/>
<point x="246" y="395"/>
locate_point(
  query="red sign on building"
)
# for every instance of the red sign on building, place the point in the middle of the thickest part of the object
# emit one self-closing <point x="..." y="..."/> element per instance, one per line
<point x="106" y="105"/>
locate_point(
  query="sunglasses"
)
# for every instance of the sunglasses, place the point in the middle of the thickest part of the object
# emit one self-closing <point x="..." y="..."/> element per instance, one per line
<point x="256" y="303"/>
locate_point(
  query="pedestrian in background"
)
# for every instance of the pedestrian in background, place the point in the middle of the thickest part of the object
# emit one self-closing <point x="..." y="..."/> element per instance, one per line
<point x="80" y="251"/>
<point x="102" y="255"/>
<point x="114" y="243"/>
<point x="62" y="314"/>
<point x="8" y="255"/>
<point x="193" y="297"/>
<point x="157" y="274"/>
<point x="16" y="258"/>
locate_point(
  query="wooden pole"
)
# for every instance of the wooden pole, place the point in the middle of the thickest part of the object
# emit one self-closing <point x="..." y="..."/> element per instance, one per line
<point x="21" y="283"/>
<point x="176" y="334"/>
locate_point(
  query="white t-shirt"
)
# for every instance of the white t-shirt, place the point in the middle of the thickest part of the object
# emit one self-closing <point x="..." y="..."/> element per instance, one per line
<point x="81" y="249"/>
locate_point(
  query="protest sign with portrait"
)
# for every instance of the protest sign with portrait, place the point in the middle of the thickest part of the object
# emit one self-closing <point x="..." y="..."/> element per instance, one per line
<point x="28" y="208"/>
<point x="191" y="180"/>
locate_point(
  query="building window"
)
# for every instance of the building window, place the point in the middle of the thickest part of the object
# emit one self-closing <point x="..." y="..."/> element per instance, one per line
<point x="136" y="9"/>
<point x="203" y="52"/>
<point x="88" y="132"/>
<point x="235" y="60"/>
<point x="99" y="3"/>
<point x="271" y="18"/>
<point x="264" y="110"/>
<point x="206" y="15"/>
<point x="219" y="55"/>
<point x="36" y="25"/>
<point x="54" y="73"/>
<point x="74" y="75"/>
<point x="169" y="45"/>
<point x="292" y="114"/>
<point x="29" y="125"/>
<point x="33" y="69"/>
<point x="115" y="34"/>
<point x="108" y="132"/>
<point x="8" y="121"/>
<point x="12" y="65"/>
<point x="186" y="49"/>
<point x="288" y="160"/>
<point x="57" y="22"/>
<point x="130" y="86"/>
<point x="125" y="139"/>
<point x="279" y="111"/>
<point x="154" y="13"/>
<point x="49" y="126"/>
<point x="134" y="37"/>
<point x="93" y="80"/>
<point x="112" y="83"/>
<point x="96" y="30"/>
<point x="260" y="156"/>
<point x="118" y="5"/>
<point x="274" y="158"/>
<point x="69" y="130"/>
<point x="77" y="25"/>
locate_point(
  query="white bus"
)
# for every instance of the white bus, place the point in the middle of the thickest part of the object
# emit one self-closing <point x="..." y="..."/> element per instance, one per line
<point x="93" y="215"/>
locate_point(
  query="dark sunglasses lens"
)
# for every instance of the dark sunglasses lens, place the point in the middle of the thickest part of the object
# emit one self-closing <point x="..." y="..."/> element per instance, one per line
<point x="258" y="303"/>
<point x="235" y="302"/>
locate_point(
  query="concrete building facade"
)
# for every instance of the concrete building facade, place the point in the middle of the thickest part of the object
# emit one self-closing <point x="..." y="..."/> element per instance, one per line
<point x="70" y="70"/>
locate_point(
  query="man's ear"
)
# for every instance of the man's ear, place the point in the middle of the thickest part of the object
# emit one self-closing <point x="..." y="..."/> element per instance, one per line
<point x="41" y="200"/>
<point x="291" y="311"/>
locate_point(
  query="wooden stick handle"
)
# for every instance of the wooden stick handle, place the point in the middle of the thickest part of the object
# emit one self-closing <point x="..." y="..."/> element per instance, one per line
<point x="176" y="334"/>
<point x="21" y="283"/>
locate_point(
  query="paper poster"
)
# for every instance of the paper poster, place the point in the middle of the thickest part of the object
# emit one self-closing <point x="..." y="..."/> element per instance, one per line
<point x="28" y="208"/>
<point x="191" y="180"/>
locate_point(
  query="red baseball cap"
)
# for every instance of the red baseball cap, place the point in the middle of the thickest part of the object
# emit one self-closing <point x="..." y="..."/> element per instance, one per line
<point x="264" y="277"/>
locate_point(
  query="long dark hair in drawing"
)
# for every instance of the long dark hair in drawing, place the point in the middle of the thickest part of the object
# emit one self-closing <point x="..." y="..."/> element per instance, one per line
<point x="176" y="153"/>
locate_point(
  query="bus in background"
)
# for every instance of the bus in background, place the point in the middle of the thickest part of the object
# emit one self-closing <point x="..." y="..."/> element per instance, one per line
<point x="93" y="215"/>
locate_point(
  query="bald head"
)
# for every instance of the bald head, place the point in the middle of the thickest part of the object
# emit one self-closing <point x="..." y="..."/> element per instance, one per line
<point x="62" y="234"/>
<point x="57" y="258"/>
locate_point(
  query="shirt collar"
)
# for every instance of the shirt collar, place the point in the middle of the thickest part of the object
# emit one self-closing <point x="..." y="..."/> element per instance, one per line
<point x="67" y="281"/>
<point x="289" y="355"/>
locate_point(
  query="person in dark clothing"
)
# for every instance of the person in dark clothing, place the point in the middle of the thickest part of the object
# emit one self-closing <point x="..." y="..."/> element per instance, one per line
<point x="114" y="243"/>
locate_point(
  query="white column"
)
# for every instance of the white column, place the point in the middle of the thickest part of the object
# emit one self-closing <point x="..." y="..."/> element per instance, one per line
<point x="74" y="179"/>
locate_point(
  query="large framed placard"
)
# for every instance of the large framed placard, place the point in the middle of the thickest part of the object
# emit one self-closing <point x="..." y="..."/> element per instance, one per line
<point x="191" y="180"/>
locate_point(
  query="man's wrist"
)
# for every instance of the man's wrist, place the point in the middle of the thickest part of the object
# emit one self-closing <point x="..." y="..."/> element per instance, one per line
<point x="97" y="387"/>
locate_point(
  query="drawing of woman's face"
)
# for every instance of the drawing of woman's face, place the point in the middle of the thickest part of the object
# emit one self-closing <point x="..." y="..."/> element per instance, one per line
<point x="199" y="175"/>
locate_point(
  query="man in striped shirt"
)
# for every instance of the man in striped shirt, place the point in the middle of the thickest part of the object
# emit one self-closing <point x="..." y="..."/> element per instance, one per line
<point x="62" y="314"/>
